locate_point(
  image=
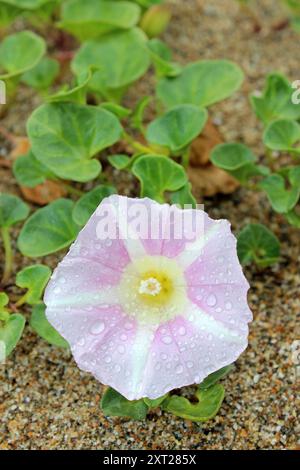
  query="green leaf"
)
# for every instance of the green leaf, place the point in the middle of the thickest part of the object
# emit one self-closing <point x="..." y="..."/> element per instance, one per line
<point x="238" y="160"/>
<point x="276" y="100"/>
<point x="12" y="210"/>
<point x="34" y="278"/>
<point x="48" y="230"/>
<point x="11" y="332"/>
<point x="64" y="137"/>
<point x="209" y="403"/>
<point x="131" y="60"/>
<point x="293" y="218"/>
<point x="213" y="378"/>
<point x="184" y="196"/>
<point x="8" y="13"/>
<point x="76" y="93"/>
<point x="161" y="57"/>
<point x="114" y="404"/>
<point x="201" y="83"/>
<point x="89" y="202"/>
<point x="4" y="311"/>
<point x="42" y="327"/>
<point x="119" y="161"/>
<point x="29" y="172"/>
<point x="155" y="20"/>
<point x="256" y="243"/>
<point x="282" y="135"/>
<point x="282" y="199"/>
<point x="158" y="174"/>
<point x="178" y="127"/>
<point x="20" y="52"/>
<point x="156" y="402"/>
<point x="93" y="18"/>
<point x="27" y="4"/>
<point x="43" y="74"/>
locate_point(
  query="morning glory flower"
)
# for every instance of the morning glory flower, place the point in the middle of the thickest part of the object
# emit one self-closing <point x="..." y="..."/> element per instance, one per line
<point x="150" y="297"/>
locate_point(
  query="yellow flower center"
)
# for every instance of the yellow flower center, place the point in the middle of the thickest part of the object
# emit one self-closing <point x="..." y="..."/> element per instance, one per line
<point x="153" y="289"/>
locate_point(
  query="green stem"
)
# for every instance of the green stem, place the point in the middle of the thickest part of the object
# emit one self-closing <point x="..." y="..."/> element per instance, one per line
<point x="270" y="159"/>
<point x="71" y="190"/>
<point x="137" y="145"/>
<point x="186" y="157"/>
<point x="8" y="254"/>
<point x="21" y="300"/>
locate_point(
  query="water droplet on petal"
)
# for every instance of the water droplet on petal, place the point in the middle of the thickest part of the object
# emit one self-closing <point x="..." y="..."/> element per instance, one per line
<point x="228" y="305"/>
<point x="182" y="331"/>
<point x="211" y="300"/>
<point x="167" y="339"/>
<point x="179" y="369"/>
<point x="97" y="327"/>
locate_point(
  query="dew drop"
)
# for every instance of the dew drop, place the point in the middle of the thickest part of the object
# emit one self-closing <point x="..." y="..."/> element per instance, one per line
<point x="190" y="364"/>
<point x="211" y="300"/>
<point x="182" y="331"/>
<point x="107" y="359"/>
<point x="228" y="305"/>
<point x="167" y="339"/>
<point x="179" y="369"/>
<point x="57" y="290"/>
<point x="81" y="341"/>
<point x="97" y="327"/>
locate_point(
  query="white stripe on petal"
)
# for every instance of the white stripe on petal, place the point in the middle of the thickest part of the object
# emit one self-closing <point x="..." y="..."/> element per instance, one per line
<point x="204" y="321"/>
<point x="194" y="249"/>
<point x="109" y="295"/>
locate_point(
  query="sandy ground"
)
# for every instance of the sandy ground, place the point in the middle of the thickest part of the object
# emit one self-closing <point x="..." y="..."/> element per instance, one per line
<point x="46" y="402"/>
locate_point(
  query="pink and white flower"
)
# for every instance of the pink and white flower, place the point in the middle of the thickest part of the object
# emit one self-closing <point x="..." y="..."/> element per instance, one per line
<point x="146" y="315"/>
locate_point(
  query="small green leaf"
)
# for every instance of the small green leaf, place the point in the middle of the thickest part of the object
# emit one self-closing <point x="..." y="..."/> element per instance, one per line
<point x="48" y="230"/>
<point x="11" y="332"/>
<point x="213" y="378"/>
<point x="20" y="52"/>
<point x="156" y="402"/>
<point x="158" y="174"/>
<point x="42" y="75"/>
<point x="89" y="202"/>
<point x="42" y="327"/>
<point x="161" y="57"/>
<point x="114" y="404"/>
<point x="184" y="196"/>
<point x="257" y="243"/>
<point x="65" y="137"/>
<point x="93" y="18"/>
<point x="131" y="60"/>
<point x="119" y="161"/>
<point x="178" y="127"/>
<point x="29" y="172"/>
<point x="282" y="135"/>
<point x="34" y="278"/>
<point x="155" y="19"/>
<point x="4" y="311"/>
<point x="209" y="403"/>
<point x="12" y="210"/>
<point x="276" y="100"/>
<point x="76" y="93"/>
<point x="282" y="199"/>
<point x="201" y="83"/>
<point x="238" y="160"/>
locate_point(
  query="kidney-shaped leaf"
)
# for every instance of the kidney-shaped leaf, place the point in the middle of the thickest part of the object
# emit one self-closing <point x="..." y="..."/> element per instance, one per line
<point x="257" y="243"/>
<point x="43" y="74"/>
<point x="42" y="327"/>
<point x="64" y="137"/>
<point x="12" y="210"/>
<point x="48" y="230"/>
<point x="89" y="202"/>
<point x="92" y="18"/>
<point x="275" y="101"/>
<point x="20" y="52"/>
<point x="34" y="278"/>
<point x="178" y="127"/>
<point x="29" y="172"/>
<point x="158" y="174"/>
<point x="121" y="58"/>
<point x="114" y="404"/>
<point x="282" y="199"/>
<point x="201" y="83"/>
<point x="209" y="402"/>
<point x="282" y="135"/>
<point x="11" y="331"/>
